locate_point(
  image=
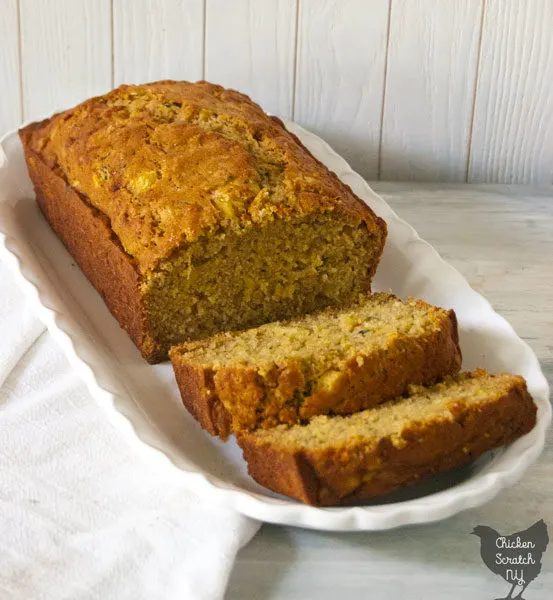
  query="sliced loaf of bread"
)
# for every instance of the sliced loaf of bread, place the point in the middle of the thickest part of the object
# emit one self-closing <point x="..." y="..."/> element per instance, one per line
<point x="337" y="361"/>
<point x="341" y="460"/>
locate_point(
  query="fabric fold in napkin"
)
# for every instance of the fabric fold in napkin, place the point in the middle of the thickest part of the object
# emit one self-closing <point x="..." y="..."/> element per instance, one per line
<point x="81" y="516"/>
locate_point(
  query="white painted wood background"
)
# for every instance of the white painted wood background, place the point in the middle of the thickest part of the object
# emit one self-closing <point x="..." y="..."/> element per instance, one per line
<point x="435" y="90"/>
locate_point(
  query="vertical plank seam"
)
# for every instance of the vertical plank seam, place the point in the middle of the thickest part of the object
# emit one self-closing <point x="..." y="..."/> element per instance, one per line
<point x="476" y="75"/>
<point x="296" y="63"/>
<point x="204" y="37"/>
<point x="112" y="41"/>
<point x="384" y="84"/>
<point x="20" y="63"/>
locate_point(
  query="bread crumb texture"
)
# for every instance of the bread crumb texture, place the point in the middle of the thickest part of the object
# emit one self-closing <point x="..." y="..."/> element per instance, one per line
<point x="323" y="341"/>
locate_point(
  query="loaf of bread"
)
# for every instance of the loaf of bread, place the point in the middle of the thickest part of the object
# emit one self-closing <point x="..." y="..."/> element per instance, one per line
<point x="339" y="361"/>
<point x="342" y="460"/>
<point x="192" y="211"/>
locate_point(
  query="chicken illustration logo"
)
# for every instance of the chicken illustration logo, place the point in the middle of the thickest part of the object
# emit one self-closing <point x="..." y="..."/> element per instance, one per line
<point x="516" y="557"/>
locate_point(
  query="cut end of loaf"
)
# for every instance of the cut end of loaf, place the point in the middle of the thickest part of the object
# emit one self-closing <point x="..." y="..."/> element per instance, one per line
<point x="283" y="269"/>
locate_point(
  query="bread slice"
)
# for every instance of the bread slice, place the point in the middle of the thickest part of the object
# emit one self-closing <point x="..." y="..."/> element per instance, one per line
<point x="337" y="361"/>
<point x="341" y="460"/>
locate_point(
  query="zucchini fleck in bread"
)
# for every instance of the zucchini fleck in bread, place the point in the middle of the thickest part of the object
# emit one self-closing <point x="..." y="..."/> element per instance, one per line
<point x="340" y="360"/>
<point x="341" y="460"/>
<point x="192" y="211"/>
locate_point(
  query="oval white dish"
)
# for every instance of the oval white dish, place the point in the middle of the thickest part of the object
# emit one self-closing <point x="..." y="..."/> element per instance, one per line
<point x="142" y="401"/>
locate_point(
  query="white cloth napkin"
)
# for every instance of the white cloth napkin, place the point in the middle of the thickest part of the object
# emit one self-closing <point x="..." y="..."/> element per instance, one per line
<point x="82" y="517"/>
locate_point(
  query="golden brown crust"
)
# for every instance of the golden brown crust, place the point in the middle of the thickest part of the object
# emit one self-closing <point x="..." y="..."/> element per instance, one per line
<point x="197" y="391"/>
<point x="346" y="475"/>
<point x="249" y="399"/>
<point x="86" y="234"/>
<point x="189" y="160"/>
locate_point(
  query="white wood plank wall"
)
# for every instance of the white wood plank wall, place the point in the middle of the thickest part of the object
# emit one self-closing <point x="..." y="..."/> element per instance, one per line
<point x="435" y="90"/>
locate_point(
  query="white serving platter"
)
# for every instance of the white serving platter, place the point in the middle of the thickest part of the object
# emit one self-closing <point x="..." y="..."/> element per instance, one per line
<point x="142" y="401"/>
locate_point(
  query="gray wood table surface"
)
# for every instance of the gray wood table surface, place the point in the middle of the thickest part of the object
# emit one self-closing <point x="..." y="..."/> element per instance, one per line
<point x="501" y="239"/>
